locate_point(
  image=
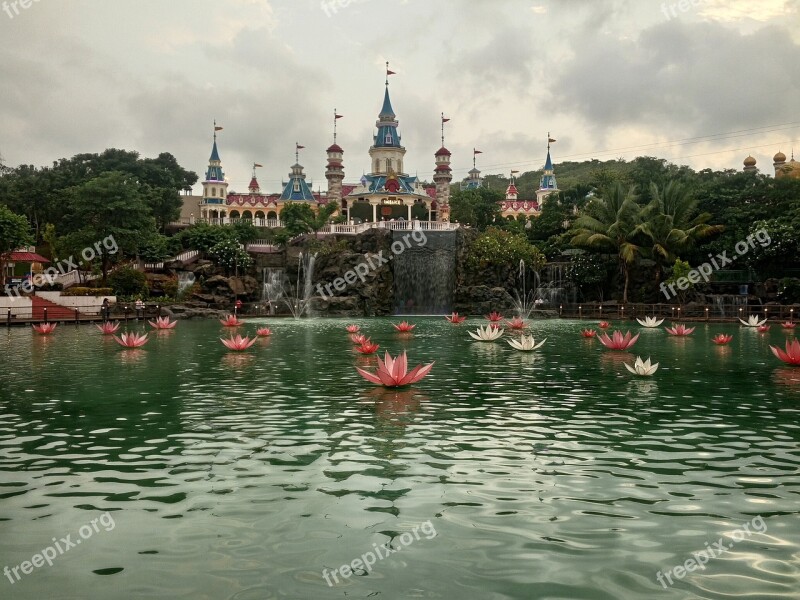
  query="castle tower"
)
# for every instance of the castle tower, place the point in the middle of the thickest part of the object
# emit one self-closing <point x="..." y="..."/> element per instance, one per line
<point x="254" y="187"/>
<point x="442" y="177"/>
<point x="296" y="189"/>
<point x="474" y="179"/>
<point x="511" y="191"/>
<point x="334" y="172"/>
<point x="548" y="184"/>
<point x="215" y="189"/>
<point x="386" y="153"/>
<point x="750" y="164"/>
<point x="779" y="161"/>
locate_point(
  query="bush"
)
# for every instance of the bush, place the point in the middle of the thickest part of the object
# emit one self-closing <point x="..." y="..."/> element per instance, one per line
<point x="85" y="291"/>
<point x="497" y="247"/>
<point x="128" y="282"/>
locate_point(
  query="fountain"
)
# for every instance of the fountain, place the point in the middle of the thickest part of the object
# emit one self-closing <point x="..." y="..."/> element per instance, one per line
<point x="525" y="303"/>
<point x="272" y="291"/>
<point x="298" y="299"/>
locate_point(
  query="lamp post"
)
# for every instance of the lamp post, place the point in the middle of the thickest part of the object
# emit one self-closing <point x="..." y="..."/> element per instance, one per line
<point x="580" y="312"/>
<point x="706" y="313"/>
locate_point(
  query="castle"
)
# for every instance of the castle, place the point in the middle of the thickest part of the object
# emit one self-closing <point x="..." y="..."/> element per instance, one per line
<point x="790" y="170"/>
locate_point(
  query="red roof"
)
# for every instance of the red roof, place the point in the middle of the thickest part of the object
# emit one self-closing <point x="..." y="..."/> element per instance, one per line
<point x="442" y="152"/>
<point x="253" y="184"/>
<point x="24" y="257"/>
<point x="335" y="148"/>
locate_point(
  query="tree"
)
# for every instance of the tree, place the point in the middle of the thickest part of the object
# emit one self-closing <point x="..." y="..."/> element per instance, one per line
<point x="230" y="255"/>
<point x="478" y="207"/>
<point x="298" y="217"/>
<point x="611" y="223"/>
<point x="15" y="231"/>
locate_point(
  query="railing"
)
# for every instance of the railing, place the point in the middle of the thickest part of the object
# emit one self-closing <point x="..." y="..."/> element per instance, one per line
<point x="672" y="312"/>
<point x="73" y="278"/>
<point x="262" y="246"/>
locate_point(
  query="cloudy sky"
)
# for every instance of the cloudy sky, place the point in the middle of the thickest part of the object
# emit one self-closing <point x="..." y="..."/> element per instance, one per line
<point x="699" y="82"/>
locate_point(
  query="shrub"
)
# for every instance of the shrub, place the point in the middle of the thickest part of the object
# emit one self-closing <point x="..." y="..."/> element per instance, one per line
<point x="85" y="291"/>
<point x="497" y="247"/>
<point x="128" y="282"/>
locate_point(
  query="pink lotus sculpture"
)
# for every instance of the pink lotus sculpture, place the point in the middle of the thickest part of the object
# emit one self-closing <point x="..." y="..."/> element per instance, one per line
<point x="494" y="317"/>
<point x="679" y="330"/>
<point x="404" y="327"/>
<point x="44" y="328"/>
<point x="358" y="338"/>
<point x="163" y="323"/>
<point x="617" y="341"/>
<point x="108" y="328"/>
<point x="393" y="372"/>
<point x="763" y="328"/>
<point x="516" y="323"/>
<point x="238" y="343"/>
<point x="131" y="340"/>
<point x="604" y="324"/>
<point x="788" y="325"/>
<point x="263" y="332"/>
<point x="721" y="339"/>
<point x="353" y="329"/>
<point x="231" y="321"/>
<point x="792" y="354"/>
<point x="589" y="333"/>
<point x="367" y="347"/>
<point x="455" y="318"/>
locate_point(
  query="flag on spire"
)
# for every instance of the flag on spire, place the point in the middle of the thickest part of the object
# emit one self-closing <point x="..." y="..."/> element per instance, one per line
<point x="476" y="151"/>
<point x="218" y="128"/>
<point x="335" y="116"/>
<point x="512" y="172"/>
<point x="550" y="140"/>
<point x="444" y="120"/>
<point x="257" y="165"/>
<point x="299" y="147"/>
<point x="388" y="72"/>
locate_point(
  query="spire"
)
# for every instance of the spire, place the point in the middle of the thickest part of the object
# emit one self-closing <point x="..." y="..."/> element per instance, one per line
<point x="214" y="151"/>
<point x="548" y="183"/>
<point x="214" y="172"/>
<point x="387" y="112"/>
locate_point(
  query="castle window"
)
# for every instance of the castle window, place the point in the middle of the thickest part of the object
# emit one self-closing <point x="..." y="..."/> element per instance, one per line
<point x="388" y="164"/>
<point x="296" y="186"/>
<point x="213" y="192"/>
<point x="387" y="139"/>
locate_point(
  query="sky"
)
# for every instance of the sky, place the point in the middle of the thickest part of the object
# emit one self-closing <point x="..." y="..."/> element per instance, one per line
<point x="698" y="82"/>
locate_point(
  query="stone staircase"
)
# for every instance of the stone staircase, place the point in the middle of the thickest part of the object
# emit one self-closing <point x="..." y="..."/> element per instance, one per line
<point x="55" y="312"/>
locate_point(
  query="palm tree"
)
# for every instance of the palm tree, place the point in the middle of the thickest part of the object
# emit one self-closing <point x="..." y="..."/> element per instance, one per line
<point x="612" y="223"/>
<point x="672" y="224"/>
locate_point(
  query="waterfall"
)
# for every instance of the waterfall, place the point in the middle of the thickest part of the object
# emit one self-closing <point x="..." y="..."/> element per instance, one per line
<point x="272" y="291"/>
<point x="424" y="272"/>
<point x="185" y="281"/>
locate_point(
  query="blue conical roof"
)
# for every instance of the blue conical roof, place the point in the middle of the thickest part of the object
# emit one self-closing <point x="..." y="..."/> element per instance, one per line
<point x="214" y="151"/>
<point x="548" y="164"/>
<point x="387" y="110"/>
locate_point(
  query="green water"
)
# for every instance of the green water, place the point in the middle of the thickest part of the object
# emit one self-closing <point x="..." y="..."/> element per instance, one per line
<point x="556" y="475"/>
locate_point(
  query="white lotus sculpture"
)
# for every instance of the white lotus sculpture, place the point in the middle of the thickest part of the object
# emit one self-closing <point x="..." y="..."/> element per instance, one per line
<point x="642" y="367"/>
<point x="526" y="343"/>
<point x="650" y="322"/>
<point x="487" y="334"/>
<point x="752" y="321"/>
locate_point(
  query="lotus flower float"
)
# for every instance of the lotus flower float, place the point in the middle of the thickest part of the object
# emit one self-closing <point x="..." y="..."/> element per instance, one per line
<point x="526" y="343"/>
<point x="617" y="341"/>
<point x="353" y="329"/>
<point x="753" y="321"/>
<point x="108" y="328"/>
<point x="589" y="333"/>
<point x="163" y="323"/>
<point x="358" y="338"/>
<point x="44" y="328"/>
<point x="516" y="323"/>
<point x="604" y="324"/>
<point x="455" y="318"/>
<point x="788" y="325"/>
<point x="487" y="334"/>
<point x="679" y="330"/>
<point x="650" y="322"/>
<point x="367" y="347"/>
<point x="494" y="317"/>
<point x="792" y="354"/>
<point x="131" y="340"/>
<point x="393" y="372"/>
<point x="263" y="332"/>
<point x="721" y="339"/>
<point x="642" y="367"/>
<point x="404" y="327"/>
<point x="238" y="343"/>
<point x="231" y="321"/>
<point x="763" y="328"/>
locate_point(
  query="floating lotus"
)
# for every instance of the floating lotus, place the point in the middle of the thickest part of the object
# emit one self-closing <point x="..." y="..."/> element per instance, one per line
<point x="788" y="325"/>
<point x="792" y="354"/>
<point x="163" y="323"/>
<point x="108" y="328"/>
<point x="353" y="329"/>
<point x="44" y="328"/>
<point x="617" y="341"/>
<point x="526" y="343"/>
<point x="679" y="330"/>
<point x="455" y="318"/>
<point x="494" y="317"/>
<point x="367" y="347"/>
<point x="404" y="327"/>
<point x="753" y="321"/>
<point x="231" y="321"/>
<point x="517" y="323"/>
<point x="588" y="333"/>
<point x="721" y="339"/>
<point x="131" y="340"/>
<point x="489" y="333"/>
<point x="650" y="322"/>
<point x="358" y="338"/>
<point x="604" y="324"/>
<point x="263" y="332"/>
<point x="393" y="372"/>
<point x="642" y="367"/>
<point x="238" y="343"/>
<point x="763" y="328"/>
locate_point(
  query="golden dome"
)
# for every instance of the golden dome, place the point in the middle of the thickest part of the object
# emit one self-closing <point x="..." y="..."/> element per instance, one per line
<point x="749" y="162"/>
<point x="779" y="157"/>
